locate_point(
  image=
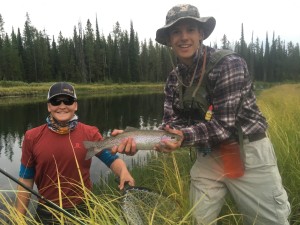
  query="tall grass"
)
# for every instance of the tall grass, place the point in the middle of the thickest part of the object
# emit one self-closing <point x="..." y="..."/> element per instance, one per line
<point x="281" y="107"/>
<point x="169" y="173"/>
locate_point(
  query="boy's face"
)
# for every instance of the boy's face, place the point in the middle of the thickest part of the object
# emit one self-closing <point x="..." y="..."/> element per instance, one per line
<point x="184" y="38"/>
<point x="62" y="108"/>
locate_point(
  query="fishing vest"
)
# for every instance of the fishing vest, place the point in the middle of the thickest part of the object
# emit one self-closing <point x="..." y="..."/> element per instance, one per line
<point x="195" y="108"/>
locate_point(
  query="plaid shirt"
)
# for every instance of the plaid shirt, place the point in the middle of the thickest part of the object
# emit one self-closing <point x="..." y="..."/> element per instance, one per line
<point x="230" y="82"/>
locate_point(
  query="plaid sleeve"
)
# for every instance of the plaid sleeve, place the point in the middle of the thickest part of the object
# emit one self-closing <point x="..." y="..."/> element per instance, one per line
<point x="228" y="80"/>
<point x="171" y="117"/>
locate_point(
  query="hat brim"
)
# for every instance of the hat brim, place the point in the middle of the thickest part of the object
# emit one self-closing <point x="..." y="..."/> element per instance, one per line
<point x="61" y="94"/>
<point x="206" y="23"/>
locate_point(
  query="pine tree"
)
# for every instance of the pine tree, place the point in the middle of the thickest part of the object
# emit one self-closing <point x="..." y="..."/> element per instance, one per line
<point x="16" y="63"/>
<point x="100" y="57"/>
<point x="54" y="60"/>
<point x="225" y="42"/>
<point x="266" y="60"/>
<point x="42" y="53"/>
<point x="89" y="51"/>
<point x="144" y="62"/>
<point x="251" y="57"/>
<point x="2" y="31"/>
<point x="29" y="57"/>
<point x="115" y="60"/>
<point x="124" y="72"/>
<point x="258" y="61"/>
<point x="133" y="55"/>
<point x="243" y="45"/>
<point x="80" y="58"/>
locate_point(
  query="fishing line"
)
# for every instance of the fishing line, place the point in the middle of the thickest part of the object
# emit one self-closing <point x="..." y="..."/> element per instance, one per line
<point x="48" y="202"/>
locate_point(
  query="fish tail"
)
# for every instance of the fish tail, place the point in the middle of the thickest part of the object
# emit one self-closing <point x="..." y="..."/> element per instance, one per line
<point x="91" y="149"/>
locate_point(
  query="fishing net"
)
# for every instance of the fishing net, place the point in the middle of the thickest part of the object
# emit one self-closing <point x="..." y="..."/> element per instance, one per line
<point x="142" y="206"/>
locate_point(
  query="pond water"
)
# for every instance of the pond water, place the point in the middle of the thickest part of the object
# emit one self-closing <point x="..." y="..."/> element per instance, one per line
<point x="107" y="113"/>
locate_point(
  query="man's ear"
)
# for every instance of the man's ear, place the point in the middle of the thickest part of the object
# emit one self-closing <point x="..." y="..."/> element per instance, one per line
<point x="202" y="34"/>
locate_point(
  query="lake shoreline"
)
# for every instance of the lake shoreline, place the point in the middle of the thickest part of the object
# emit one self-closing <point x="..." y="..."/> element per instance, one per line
<point x="37" y="92"/>
<point x="20" y="89"/>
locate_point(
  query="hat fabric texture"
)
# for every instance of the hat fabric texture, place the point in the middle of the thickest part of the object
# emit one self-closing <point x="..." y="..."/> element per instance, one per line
<point x="181" y="12"/>
<point x="61" y="88"/>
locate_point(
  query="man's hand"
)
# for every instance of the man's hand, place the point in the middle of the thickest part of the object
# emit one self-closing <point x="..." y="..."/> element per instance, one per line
<point x="127" y="146"/>
<point x="169" y="146"/>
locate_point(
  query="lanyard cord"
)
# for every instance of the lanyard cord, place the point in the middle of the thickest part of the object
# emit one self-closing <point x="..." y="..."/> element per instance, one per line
<point x="198" y="85"/>
<point x="176" y="73"/>
<point x="192" y="157"/>
<point x="192" y="154"/>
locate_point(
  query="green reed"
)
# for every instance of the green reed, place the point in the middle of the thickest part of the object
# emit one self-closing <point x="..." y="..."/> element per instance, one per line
<point x="281" y="107"/>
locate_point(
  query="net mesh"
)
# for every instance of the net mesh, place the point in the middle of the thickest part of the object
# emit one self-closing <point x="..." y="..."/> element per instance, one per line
<point x="142" y="207"/>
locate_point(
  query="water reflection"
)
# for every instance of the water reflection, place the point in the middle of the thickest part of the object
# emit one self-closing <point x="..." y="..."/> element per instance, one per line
<point x="107" y="113"/>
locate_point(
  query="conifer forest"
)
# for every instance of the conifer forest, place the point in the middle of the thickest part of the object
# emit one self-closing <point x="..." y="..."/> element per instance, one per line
<point x="30" y="55"/>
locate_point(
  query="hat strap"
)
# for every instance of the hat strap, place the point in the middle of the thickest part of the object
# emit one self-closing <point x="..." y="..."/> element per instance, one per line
<point x="202" y="74"/>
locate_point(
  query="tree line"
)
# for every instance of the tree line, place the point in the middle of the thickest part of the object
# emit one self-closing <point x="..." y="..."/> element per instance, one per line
<point x="89" y="56"/>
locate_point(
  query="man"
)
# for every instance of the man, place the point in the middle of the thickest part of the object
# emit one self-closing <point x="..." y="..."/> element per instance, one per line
<point x="205" y="82"/>
<point x="53" y="156"/>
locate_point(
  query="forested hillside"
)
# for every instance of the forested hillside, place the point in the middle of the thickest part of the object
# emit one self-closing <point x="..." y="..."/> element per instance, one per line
<point x="89" y="56"/>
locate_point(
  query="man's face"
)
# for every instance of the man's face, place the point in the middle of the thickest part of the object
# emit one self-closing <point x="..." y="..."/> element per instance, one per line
<point x="62" y="108"/>
<point x="184" y="38"/>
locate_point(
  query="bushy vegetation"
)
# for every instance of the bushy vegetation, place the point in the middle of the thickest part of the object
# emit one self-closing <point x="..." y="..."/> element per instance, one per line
<point x="22" y="89"/>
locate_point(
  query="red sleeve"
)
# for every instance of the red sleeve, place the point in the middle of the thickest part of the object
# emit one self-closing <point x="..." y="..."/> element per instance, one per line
<point x="91" y="132"/>
<point x="27" y="158"/>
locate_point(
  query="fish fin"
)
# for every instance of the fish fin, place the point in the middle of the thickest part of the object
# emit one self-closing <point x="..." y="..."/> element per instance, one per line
<point x="91" y="149"/>
<point x="89" y="144"/>
<point x="127" y="129"/>
<point x="89" y="154"/>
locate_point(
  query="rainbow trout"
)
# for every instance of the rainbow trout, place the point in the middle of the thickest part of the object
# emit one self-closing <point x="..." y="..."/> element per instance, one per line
<point x="144" y="139"/>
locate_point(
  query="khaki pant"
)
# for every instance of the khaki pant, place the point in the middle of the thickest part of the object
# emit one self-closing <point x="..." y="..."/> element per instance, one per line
<point x="258" y="194"/>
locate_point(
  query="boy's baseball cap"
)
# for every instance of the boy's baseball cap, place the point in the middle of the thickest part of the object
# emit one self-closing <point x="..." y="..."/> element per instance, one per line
<point x="61" y="88"/>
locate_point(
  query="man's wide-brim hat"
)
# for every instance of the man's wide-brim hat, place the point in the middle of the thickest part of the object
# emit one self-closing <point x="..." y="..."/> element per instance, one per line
<point x="181" y="12"/>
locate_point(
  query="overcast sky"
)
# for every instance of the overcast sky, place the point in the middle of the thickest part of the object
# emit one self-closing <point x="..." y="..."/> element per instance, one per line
<point x="258" y="16"/>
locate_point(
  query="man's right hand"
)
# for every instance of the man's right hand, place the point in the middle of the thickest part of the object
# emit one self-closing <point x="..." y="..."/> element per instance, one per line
<point x="170" y="146"/>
